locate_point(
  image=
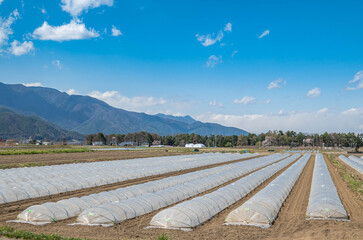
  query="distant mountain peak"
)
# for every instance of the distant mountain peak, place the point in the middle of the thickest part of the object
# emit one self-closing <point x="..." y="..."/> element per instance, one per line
<point x="186" y="119"/>
<point x="86" y="115"/>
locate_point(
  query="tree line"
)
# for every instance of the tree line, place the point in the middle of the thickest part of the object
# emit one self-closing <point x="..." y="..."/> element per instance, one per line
<point x="271" y="138"/>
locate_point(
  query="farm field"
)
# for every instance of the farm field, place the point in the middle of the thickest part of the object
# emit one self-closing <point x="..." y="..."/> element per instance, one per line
<point x="290" y="222"/>
<point x="24" y="160"/>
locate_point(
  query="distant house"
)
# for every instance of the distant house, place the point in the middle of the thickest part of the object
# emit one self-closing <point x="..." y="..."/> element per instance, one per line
<point x="11" y="142"/>
<point x="97" y="143"/>
<point x="156" y="142"/>
<point x="47" y="143"/>
<point x="73" y="142"/>
<point x="197" y="145"/>
<point x="113" y="142"/>
<point x="308" y="142"/>
<point x="124" y="144"/>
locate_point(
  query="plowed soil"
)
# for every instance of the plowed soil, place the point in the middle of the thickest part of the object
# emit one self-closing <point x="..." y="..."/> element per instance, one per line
<point x="290" y="224"/>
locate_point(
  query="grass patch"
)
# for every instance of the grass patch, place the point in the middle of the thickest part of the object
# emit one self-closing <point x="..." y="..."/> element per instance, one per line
<point x="163" y="236"/>
<point x="43" y="151"/>
<point x="19" y="165"/>
<point x="353" y="182"/>
<point x="10" y="232"/>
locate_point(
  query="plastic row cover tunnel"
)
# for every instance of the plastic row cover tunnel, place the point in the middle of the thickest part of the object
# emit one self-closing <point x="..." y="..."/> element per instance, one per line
<point x="109" y="214"/>
<point x="106" y="173"/>
<point x="17" y="175"/>
<point x="356" y="159"/>
<point x="352" y="162"/>
<point x="324" y="201"/>
<point x="45" y="172"/>
<point x="67" y="208"/>
<point x="194" y="212"/>
<point x="261" y="210"/>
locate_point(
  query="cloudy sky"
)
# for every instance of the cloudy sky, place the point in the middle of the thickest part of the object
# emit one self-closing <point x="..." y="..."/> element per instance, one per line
<point x="256" y="65"/>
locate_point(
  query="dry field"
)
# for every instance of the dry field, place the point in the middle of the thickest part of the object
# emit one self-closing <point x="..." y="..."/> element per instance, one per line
<point x="290" y="224"/>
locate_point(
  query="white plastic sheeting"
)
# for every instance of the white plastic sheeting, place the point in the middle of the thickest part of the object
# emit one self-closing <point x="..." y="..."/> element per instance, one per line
<point x="194" y="212"/>
<point x="352" y="162"/>
<point x="67" y="208"/>
<point x="261" y="210"/>
<point x="109" y="214"/>
<point x="25" y="183"/>
<point x="356" y="159"/>
<point x="324" y="201"/>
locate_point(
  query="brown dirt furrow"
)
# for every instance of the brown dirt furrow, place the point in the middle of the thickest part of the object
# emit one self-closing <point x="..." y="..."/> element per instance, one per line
<point x="130" y="229"/>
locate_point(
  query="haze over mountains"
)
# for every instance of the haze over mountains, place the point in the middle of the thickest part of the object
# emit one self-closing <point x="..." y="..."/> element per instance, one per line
<point x="84" y="114"/>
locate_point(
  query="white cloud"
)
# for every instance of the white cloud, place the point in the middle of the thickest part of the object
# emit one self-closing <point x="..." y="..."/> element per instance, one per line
<point x="71" y="31"/>
<point x="18" y="48"/>
<point x="278" y="83"/>
<point x="353" y="111"/>
<point x="315" y="92"/>
<point x="323" y="110"/>
<point x="268" y="101"/>
<point x="57" y="63"/>
<point x="1" y="1"/>
<point x="207" y="40"/>
<point x="245" y="100"/>
<point x="265" y="33"/>
<point x="76" y="7"/>
<point x="72" y="91"/>
<point x="36" y="84"/>
<point x="215" y="103"/>
<point x="234" y="53"/>
<point x="5" y="27"/>
<point x="116" y="99"/>
<point x="307" y="122"/>
<point x="358" y="78"/>
<point x="213" y="60"/>
<point x="228" y="27"/>
<point x="116" y="32"/>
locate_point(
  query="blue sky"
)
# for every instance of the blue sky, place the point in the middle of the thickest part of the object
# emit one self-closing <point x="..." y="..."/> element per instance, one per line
<point x="256" y="65"/>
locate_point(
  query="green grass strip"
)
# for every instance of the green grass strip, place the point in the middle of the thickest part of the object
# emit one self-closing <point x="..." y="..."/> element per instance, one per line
<point x="19" y="165"/>
<point x="10" y="232"/>
<point x="44" y="151"/>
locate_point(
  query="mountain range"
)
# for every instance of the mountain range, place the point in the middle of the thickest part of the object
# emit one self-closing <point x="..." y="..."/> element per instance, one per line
<point x="14" y="125"/>
<point x="85" y="115"/>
